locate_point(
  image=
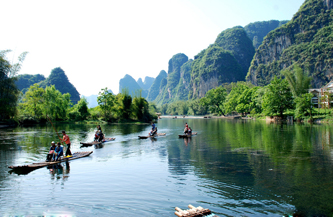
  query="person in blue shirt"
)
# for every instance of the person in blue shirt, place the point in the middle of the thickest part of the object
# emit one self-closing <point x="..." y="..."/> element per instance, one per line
<point x="153" y="129"/>
<point x="59" y="151"/>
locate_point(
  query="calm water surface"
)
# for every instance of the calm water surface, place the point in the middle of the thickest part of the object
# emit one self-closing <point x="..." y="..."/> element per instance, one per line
<point x="235" y="168"/>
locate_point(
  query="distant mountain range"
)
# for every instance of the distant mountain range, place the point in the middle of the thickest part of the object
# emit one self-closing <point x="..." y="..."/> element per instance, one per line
<point x="133" y="87"/>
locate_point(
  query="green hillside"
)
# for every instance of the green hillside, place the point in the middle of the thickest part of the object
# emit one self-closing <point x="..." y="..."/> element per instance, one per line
<point x="306" y="40"/>
<point x="59" y="79"/>
<point x="24" y="81"/>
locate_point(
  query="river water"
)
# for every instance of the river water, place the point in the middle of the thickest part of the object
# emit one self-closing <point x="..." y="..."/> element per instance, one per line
<point x="233" y="167"/>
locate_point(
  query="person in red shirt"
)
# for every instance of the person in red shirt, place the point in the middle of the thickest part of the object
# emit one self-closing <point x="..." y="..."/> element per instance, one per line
<point x="65" y="139"/>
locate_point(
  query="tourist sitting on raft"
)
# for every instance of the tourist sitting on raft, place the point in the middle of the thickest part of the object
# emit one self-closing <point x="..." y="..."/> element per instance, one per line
<point x="189" y="131"/>
<point x="186" y="128"/>
<point x="153" y="129"/>
<point x="99" y="136"/>
<point x="58" y="152"/>
<point x="51" y="152"/>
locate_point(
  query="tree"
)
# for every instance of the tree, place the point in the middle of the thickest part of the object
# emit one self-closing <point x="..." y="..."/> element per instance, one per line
<point x="124" y="102"/>
<point x="304" y="106"/>
<point x="8" y="90"/>
<point x="232" y="99"/>
<point x="298" y="80"/>
<point x="56" y="105"/>
<point x="106" y="101"/>
<point x="33" y="101"/>
<point x="214" y="99"/>
<point x="80" y="111"/>
<point x="141" y="108"/>
<point x="245" y="102"/>
<point x="277" y="98"/>
<point x="196" y="108"/>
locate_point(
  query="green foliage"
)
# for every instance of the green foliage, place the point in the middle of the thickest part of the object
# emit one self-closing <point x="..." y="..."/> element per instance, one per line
<point x="95" y="113"/>
<point x="38" y="104"/>
<point x="246" y="102"/>
<point x="56" y="105"/>
<point x="196" y="108"/>
<point x="304" y="106"/>
<point x="106" y="102"/>
<point x="8" y="90"/>
<point x="80" y="112"/>
<point x="214" y="100"/>
<point x="234" y="97"/>
<point x="124" y="102"/>
<point x="34" y="102"/>
<point x="141" y="109"/>
<point x="277" y="98"/>
<point x="299" y="81"/>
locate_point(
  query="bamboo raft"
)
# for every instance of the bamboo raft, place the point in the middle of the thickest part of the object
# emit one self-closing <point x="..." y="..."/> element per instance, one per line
<point x="192" y="212"/>
<point x="157" y="134"/>
<point x="187" y="135"/>
<point x="30" y="167"/>
<point x="86" y="144"/>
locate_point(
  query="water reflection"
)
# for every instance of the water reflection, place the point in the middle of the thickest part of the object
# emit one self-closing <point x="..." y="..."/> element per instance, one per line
<point x="247" y="163"/>
<point x="57" y="171"/>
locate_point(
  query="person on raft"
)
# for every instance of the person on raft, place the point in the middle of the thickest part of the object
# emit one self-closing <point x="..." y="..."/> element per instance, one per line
<point x="153" y="129"/>
<point x="58" y="152"/>
<point x="66" y="139"/>
<point x="51" y="152"/>
<point x="100" y="136"/>
<point x="189" y="131"/>
<point x="186" y="128"/>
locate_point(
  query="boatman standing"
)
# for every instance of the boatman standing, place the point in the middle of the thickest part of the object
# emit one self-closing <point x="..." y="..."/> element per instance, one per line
<point x="65" y="139"/>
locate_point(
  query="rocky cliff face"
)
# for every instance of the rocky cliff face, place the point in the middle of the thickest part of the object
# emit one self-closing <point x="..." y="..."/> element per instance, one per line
<point x="155" y="87"/>
<point x="211" y="68"/>
<point x="305" y="41"/>
<point x="168" y="86"/>
<point x="258" y="30"/>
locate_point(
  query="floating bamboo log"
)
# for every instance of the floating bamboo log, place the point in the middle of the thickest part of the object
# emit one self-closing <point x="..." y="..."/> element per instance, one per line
<point x="192" y="212"/>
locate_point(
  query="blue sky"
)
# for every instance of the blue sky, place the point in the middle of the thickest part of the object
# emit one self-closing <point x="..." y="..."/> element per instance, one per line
<point x="97" y="42"/>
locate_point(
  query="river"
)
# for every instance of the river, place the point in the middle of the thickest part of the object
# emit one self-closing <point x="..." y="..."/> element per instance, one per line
<point x="232" y="167"/>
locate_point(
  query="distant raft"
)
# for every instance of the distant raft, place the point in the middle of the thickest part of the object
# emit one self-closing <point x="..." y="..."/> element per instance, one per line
<point x="30" y="167"/>
<point x="194" y="212"/>
<point x="155" y="135"/>
<point x="187" y="135"/>
<point x="86" y="144"/>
